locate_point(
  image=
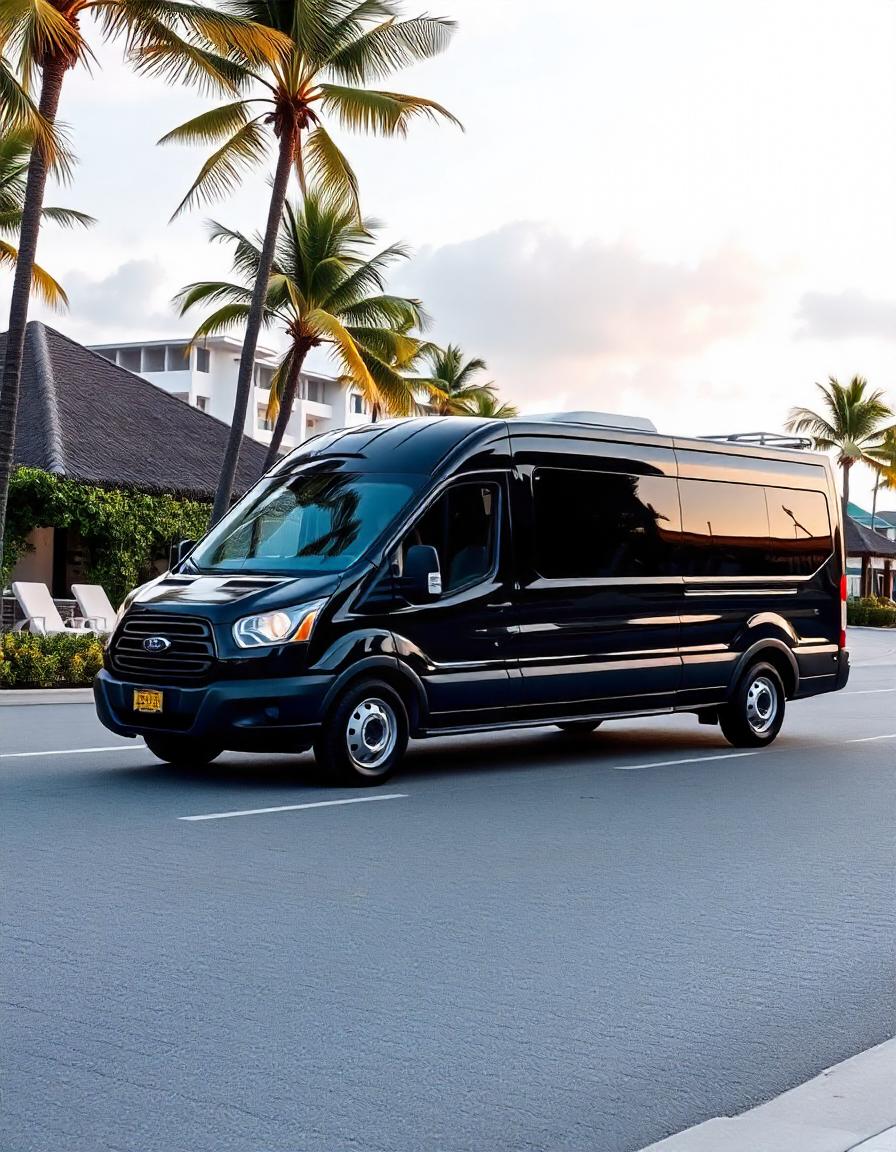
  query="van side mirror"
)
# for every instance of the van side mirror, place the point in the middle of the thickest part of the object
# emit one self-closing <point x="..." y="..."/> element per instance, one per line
<point x="179" y="549"/>
<point x="422" y="579"/>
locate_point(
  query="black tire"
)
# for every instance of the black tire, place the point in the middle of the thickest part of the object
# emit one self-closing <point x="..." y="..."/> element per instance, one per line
<point x="579" y="727"/>
<point x="753" y="716"/>
<point x="363" y="738"/>
<point x="185" y="751"/>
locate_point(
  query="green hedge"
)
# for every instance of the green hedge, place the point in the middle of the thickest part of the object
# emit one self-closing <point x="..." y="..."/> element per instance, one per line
<point x="871" y="611"/>
<point x="61" y="661"/>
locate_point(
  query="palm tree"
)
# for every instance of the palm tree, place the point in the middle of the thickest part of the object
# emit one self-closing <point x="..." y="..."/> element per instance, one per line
<point x="15" y="149"/>
<point x="324" y="289"/>
<point x="852" y="423"/>
<point x="490" y="407"/>
<point x="337" y="48"/>
<point x="885" y="467"/>
<point x="451" y="383"/>
<point x="176" y="38"/>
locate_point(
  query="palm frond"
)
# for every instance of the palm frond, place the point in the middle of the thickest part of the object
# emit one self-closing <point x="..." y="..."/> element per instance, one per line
<point x="221" y="173"/>
<point x="223" y="319"/>
<point x="246" y="253"/>
<point x="328" y="172"/>
<point x="210" y="127"/>
<point x="210" y="292"/>
<point x="389" y="46"/>
<point x="37" y="30"/>
<point x="20" y="118"/>
<point x="324" y="325"/>
<point x="397" y="312"/>
<point x="68" y="217"/>
<point x="380" y="113"/>
<point x="44" y="285"/>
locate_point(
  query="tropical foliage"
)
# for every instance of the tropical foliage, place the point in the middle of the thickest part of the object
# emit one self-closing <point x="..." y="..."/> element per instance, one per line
<point x="337" y="49"/>
<point x="66" y="660"/>
<point x="451" y="382"/>
<point x="325" y="289"/>
<point x="885" y="468"/>
<point x="15" y="149"/>
<point x="852" y="423"/>
<point x="491" y="407"/>
<point x="178" y="39"/>
<point x="124" y="532"/>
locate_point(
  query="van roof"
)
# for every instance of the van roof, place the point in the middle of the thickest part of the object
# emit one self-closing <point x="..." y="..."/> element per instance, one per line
<point x="421" y="444"/>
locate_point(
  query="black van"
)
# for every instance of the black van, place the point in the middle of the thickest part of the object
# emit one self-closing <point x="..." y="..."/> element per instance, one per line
<point x="443" y="575"/>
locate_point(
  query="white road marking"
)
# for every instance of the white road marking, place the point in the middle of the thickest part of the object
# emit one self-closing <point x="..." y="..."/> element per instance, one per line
<point x="297" y="807"/>
<point x="868" y="691"/>
<point x="74" y="751"/>
<point x="870" y="739"/>
<point x="690" y="760"/>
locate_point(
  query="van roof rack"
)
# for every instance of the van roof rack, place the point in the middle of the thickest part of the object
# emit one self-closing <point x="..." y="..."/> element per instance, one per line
<point x="602" y="419"/>
<point x="764" y="440"/>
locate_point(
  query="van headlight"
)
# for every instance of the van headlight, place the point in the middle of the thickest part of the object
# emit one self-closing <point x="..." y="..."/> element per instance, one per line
<point x="283" y="626"/>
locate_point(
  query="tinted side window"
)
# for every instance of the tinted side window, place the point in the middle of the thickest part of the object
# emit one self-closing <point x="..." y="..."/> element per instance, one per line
<point x="600" y="525"/>
<point x="800" y="530"/>
<point x="462" y="527"/>
<point x="724" y="528"/>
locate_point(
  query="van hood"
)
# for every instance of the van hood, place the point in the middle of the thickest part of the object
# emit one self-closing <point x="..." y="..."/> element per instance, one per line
<point x="216" y="596"/>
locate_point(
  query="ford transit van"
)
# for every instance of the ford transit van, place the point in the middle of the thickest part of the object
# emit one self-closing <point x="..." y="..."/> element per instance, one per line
<point x="442" y="575"/>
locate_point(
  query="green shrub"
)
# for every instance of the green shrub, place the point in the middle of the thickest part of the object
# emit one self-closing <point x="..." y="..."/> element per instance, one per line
<point x="871" y="611"/>
<point x="61" y="661"/>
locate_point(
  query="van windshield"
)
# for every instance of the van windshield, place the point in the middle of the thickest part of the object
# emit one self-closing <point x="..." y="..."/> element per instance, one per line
<point x="304" y="524"/>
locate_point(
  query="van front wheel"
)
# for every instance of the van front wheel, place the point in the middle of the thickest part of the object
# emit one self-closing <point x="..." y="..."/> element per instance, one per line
<point x="754" y="715"/>
<point x="364" y="737"/>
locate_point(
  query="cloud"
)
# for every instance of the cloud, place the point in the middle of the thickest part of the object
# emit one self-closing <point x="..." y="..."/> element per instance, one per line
<point x="527" y="291"/>
<point x="133" y="299"/>
<point x="844" y="315"/>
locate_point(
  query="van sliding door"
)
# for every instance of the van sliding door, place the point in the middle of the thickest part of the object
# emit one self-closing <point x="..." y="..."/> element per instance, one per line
<point x="597" y="526"/>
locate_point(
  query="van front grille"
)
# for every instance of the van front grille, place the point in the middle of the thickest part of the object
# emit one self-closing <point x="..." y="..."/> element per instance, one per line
<point x="189" y="656"/>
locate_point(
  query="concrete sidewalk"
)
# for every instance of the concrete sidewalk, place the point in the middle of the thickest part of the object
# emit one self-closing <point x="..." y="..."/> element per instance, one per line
<point x="20" y="696"/>
<point x="850" y="1107"/>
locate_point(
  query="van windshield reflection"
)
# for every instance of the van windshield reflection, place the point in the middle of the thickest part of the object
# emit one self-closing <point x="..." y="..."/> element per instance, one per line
<point x="304" y="524"/>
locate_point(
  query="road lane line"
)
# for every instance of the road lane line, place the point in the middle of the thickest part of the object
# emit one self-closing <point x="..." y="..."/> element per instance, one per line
<point x="690" y="760"/>
<point x="297" y="807"/>
<point x="74" y="751"/>
<point x="870" y="739"/>
<point x="868" y="691"/>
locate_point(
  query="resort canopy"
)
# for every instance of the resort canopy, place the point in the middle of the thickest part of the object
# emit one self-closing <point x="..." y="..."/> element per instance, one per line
<point x="88" y="420"/>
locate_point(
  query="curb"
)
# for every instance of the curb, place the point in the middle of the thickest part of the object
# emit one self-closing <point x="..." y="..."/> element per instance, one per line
<point x="27" y="696"/>
<point x="838" y="1110"/>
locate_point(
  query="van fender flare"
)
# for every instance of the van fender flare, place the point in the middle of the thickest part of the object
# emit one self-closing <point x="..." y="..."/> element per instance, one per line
<point x="757" y="648"/>
<point x="390" y="669"/>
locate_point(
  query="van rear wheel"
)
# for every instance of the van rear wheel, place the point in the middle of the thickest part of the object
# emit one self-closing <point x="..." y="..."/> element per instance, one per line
<point x="364" y="737"/>
<point x="186" y="751"/>
<point x="753" y="716"/>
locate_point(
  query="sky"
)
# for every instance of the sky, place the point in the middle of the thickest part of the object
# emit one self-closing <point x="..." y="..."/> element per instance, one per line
<point x="683" y="210"/>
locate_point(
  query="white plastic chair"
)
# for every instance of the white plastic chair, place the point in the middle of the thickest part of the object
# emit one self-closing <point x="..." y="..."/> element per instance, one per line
<point x="96" y="607"/>
<point x="41" y="614"/>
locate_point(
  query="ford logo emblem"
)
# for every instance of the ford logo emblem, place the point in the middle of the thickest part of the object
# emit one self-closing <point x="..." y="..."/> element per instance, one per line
<point x="156" y="644"/>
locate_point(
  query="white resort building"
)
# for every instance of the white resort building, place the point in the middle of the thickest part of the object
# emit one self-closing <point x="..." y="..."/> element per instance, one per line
<point x="205" y="377"/>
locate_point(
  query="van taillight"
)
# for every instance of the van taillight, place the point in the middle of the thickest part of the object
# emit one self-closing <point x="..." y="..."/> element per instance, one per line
<point x="843" y="593"/>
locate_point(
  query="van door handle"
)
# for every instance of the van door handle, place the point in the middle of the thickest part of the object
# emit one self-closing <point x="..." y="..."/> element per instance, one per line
<point x="495" y="607"/>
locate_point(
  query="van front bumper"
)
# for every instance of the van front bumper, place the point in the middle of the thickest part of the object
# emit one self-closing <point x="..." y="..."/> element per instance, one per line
<point x="278" y="715"/>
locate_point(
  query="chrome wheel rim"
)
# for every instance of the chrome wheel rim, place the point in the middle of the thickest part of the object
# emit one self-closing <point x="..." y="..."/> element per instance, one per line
<point x="371" y="735"/>
<point x="762" y="704"/>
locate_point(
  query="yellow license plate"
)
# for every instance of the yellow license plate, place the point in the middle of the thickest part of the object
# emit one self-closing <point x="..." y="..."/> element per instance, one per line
<point x="147" y="700"/>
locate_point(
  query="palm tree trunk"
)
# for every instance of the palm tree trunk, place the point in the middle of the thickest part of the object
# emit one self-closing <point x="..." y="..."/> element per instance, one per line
<point x="51" y="89"/>
<point x="253" y="327"/>
<point x="299" y="352"/>
<point x="877" y="480"/>
<point x="847" y="465"/>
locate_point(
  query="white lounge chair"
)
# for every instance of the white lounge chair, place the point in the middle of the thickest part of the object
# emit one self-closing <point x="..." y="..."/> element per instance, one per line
<point x="41" y="614"/>
<point x="96" y="607"/>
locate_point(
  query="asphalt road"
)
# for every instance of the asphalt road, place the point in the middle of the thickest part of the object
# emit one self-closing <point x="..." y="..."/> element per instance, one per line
<point x="540" y="944"/>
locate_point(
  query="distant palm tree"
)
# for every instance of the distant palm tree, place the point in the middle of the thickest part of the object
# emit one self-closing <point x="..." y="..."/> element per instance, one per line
<point x="325" y="289"/>
<point x="451" y="383"/>
<point x="179" y="39"/>
<point x="885" y="467"/>
<point x="337" y="48"/>
<point x="15" y="148"/>
<point x="491" y="407"/>
<point x="852" y="423"/>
